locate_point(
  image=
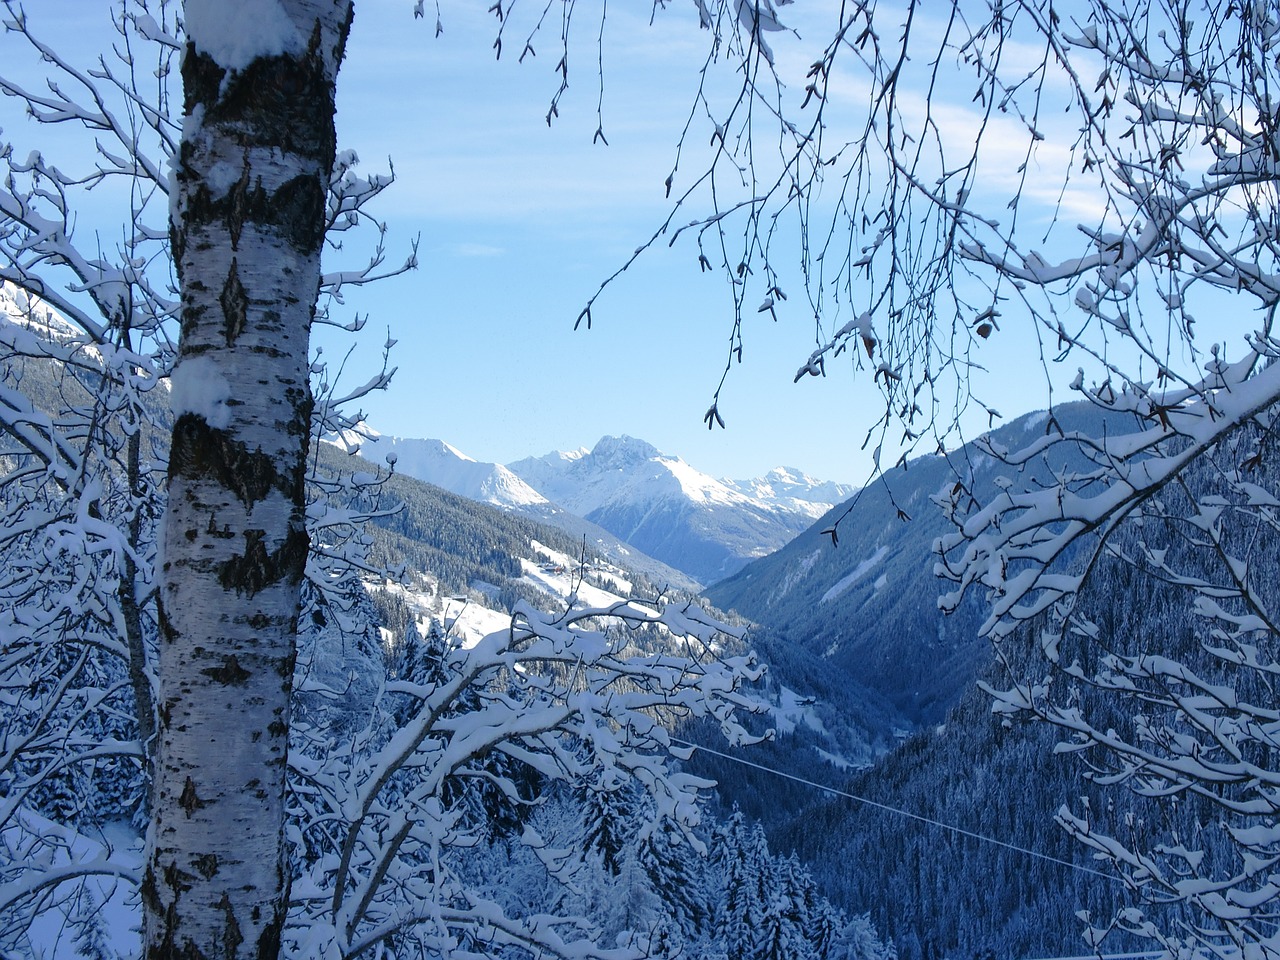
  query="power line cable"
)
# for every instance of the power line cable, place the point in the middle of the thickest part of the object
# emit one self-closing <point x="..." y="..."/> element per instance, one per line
<point x="903" y="813"/>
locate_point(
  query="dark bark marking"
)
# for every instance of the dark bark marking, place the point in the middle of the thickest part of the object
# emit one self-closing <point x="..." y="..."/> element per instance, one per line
<point x="340" y="48"/>
<point x="257" y="568"/>
<point x="167" y="949"/>
<point x="189" y="802"/>
<point x="277" y="101"/>
<point x="295" y="210"/>
<point x="175" y="879"/>
<point x="235" y="305"/>
<point x="207" y="865"/>
<point x="167" y="633"/>
<point x="230" y="674"/>
<point x="252" y="570"/>
<point x="191" y="315"/>
<point x="283" y="103"/>
<point x="231" y="936"/>
<point x="269" y="942"/>
<point x="222" y="534"/>
<point x="200" y="451"/>
<point x="298" y="208"/>
<point x="201" y="79"/>
<point x="239" y="198"/>
<point x="150" y="896"/>
<point x="300" y="426"/>
<point x="178" y="245"/>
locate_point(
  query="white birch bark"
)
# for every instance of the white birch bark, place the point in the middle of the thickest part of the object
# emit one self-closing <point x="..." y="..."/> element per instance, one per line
<point x="247" y="228"/>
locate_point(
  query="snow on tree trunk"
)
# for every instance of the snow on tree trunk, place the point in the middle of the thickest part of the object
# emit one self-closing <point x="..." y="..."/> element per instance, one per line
<point x="247" y="228"/>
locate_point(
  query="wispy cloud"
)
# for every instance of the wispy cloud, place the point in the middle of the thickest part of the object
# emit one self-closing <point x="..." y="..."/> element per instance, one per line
<point x="476" y="145"/>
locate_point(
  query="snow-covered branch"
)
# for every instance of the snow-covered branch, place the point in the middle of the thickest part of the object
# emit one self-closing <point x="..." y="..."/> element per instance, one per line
<point x="556" y="697"/>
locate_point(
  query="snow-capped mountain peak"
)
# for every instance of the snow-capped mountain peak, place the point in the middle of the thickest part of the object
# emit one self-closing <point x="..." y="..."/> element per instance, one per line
<point x="699" y="487"/>
<point x="654" y="502"/>
<point x="619" y="470"/>
<point x="445" y="466"/>
<point x="620" y="451"/>
<point x="795" y="489"/>
<point x="674" y="512"/>
<point x="791" y="476"/>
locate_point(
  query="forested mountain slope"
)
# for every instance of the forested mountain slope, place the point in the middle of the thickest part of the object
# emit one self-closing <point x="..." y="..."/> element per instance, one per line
<point x="936" y="893"/>
<point x="864" y="604"/>
<point x="1147" y="638"/>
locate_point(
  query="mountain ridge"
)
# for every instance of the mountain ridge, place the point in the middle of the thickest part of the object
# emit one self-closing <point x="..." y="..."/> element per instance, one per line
<point x="707" y="527"/>
<point x="678" y="524"/>
<point x="441" y="464"/>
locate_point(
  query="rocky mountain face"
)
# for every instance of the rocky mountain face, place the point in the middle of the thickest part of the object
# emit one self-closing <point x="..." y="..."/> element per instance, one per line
<point x="705" y="527"/>
<point x="447" y="467"/>
<point x="647" y="509"/>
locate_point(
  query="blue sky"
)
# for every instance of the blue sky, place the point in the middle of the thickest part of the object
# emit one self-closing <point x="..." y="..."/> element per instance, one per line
<point x="518" y="224"/>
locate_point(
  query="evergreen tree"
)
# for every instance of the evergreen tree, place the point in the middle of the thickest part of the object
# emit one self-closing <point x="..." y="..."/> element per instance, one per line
<point x="679" y="879"/>
<point x="92" y="940"/>
<point x="737" y="872"/>
<point x="609" y="819"/>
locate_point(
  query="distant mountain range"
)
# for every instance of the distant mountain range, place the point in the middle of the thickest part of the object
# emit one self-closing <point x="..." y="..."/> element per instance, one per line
<point x="649" y="503"/>
<point x="861" y="615"/>
<point x="706" y="527"/>
<point x="449" y="468"/>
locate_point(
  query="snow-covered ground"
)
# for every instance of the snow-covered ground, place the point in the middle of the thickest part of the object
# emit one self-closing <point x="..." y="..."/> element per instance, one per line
<point x="858" y="572"/>
<point x="462" y="617"/>
<point x="561" y="576"/>
<point x="793" y="710"/>
<point x="468" y="618"/>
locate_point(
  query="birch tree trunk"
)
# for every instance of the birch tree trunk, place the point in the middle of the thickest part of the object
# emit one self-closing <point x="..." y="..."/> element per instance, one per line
<point x="247" y="228"/>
